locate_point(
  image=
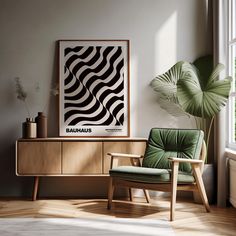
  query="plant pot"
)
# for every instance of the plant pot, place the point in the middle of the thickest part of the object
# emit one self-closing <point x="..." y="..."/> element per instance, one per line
<point x="232" y="186"/>
<point x="208" y="177"/>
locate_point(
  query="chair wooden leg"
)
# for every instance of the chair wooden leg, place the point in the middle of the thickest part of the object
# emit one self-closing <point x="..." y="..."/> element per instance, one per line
<point x="130" y="194"/>
<point x="174" y="177"/>
<point x="200" y="185"/>
<point x="147" y="196"/>
<point x="36" y="185"/>
<point x="110" y="193"/>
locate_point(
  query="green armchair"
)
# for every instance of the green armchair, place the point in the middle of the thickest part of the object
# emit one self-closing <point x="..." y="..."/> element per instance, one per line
<point x="173" y="160"/>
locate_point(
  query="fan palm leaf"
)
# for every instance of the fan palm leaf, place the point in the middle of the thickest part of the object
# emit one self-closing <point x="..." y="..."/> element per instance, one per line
<point x="194" y="89"/>
<point x="202" y="98"/>
<point x="166" y="87"/>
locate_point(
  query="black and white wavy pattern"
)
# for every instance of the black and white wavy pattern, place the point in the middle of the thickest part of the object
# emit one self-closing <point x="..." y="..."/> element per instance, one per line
<point x="94" y="86"/>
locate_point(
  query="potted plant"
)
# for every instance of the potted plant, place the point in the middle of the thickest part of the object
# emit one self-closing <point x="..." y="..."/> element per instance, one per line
<point x="194" y="89"/>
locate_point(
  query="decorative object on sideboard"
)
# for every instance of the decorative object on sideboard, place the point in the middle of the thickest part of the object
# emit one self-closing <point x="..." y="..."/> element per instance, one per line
<point x="21" y="94"/>
<point x="94" y="88"/>
<point x="29" y="129"/>
<point x="41" y="121"/>
<point x="29" y="126"/>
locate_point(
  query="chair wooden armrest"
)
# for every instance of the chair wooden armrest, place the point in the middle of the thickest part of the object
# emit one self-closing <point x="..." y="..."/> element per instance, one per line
<point x="124" y="155"/>
<point x="134" y="159"/>
<point x="191" y="161"/>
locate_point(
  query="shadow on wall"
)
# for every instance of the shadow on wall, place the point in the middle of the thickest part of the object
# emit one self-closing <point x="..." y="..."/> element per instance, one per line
<point x="10" y="184"/>
<point x="53" y="108"/>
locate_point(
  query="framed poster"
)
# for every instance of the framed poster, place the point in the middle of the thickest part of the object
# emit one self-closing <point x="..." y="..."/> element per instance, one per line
<point x="94" y="88"/>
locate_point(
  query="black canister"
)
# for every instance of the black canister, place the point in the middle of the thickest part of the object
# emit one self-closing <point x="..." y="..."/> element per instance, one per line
<point x="41" y="120"/>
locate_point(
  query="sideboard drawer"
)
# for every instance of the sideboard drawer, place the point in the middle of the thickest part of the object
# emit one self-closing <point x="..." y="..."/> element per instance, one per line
<point x="81" y="158"/>
<point x="39" y="158"/>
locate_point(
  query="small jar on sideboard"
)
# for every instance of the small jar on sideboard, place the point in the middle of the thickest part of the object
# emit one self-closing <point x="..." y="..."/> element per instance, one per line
<point x="29" y="129"/>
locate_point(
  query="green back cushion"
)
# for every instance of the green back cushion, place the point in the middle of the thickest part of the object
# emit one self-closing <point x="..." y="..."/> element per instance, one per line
<point x="164" y="143"/>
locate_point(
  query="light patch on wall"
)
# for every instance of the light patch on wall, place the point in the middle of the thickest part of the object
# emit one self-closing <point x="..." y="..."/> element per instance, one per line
<point x="133" y="95"/>
<point x="166" y="44"/>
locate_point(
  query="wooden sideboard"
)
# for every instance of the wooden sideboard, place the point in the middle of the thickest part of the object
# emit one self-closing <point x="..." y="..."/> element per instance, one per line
<point x="71" y="156"/>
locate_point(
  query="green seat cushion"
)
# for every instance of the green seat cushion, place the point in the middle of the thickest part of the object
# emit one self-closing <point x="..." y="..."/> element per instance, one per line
<point x="148" y="175"/>
<point x="164" y="143"/>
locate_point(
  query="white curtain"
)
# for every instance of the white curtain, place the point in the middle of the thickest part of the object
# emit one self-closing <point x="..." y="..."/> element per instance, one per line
<point x="220" y="8"/>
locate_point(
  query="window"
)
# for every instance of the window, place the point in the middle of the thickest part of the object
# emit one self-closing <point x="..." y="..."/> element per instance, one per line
<point x="232" y="71"/>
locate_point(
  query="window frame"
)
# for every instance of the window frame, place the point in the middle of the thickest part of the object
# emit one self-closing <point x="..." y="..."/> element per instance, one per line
<point x="231" y="45"/>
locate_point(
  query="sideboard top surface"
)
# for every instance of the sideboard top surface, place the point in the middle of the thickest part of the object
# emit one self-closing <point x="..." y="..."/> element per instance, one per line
<point x="63" y="139"/>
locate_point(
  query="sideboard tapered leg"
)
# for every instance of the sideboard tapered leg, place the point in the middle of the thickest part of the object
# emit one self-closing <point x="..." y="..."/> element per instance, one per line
<point x="36" y="185"/>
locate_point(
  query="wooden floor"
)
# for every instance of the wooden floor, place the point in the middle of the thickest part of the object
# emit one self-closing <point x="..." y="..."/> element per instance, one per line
<point x="191" y="219"/>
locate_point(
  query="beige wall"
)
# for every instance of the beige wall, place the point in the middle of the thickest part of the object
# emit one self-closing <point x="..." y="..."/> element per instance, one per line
<point x="160" y="34"/>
